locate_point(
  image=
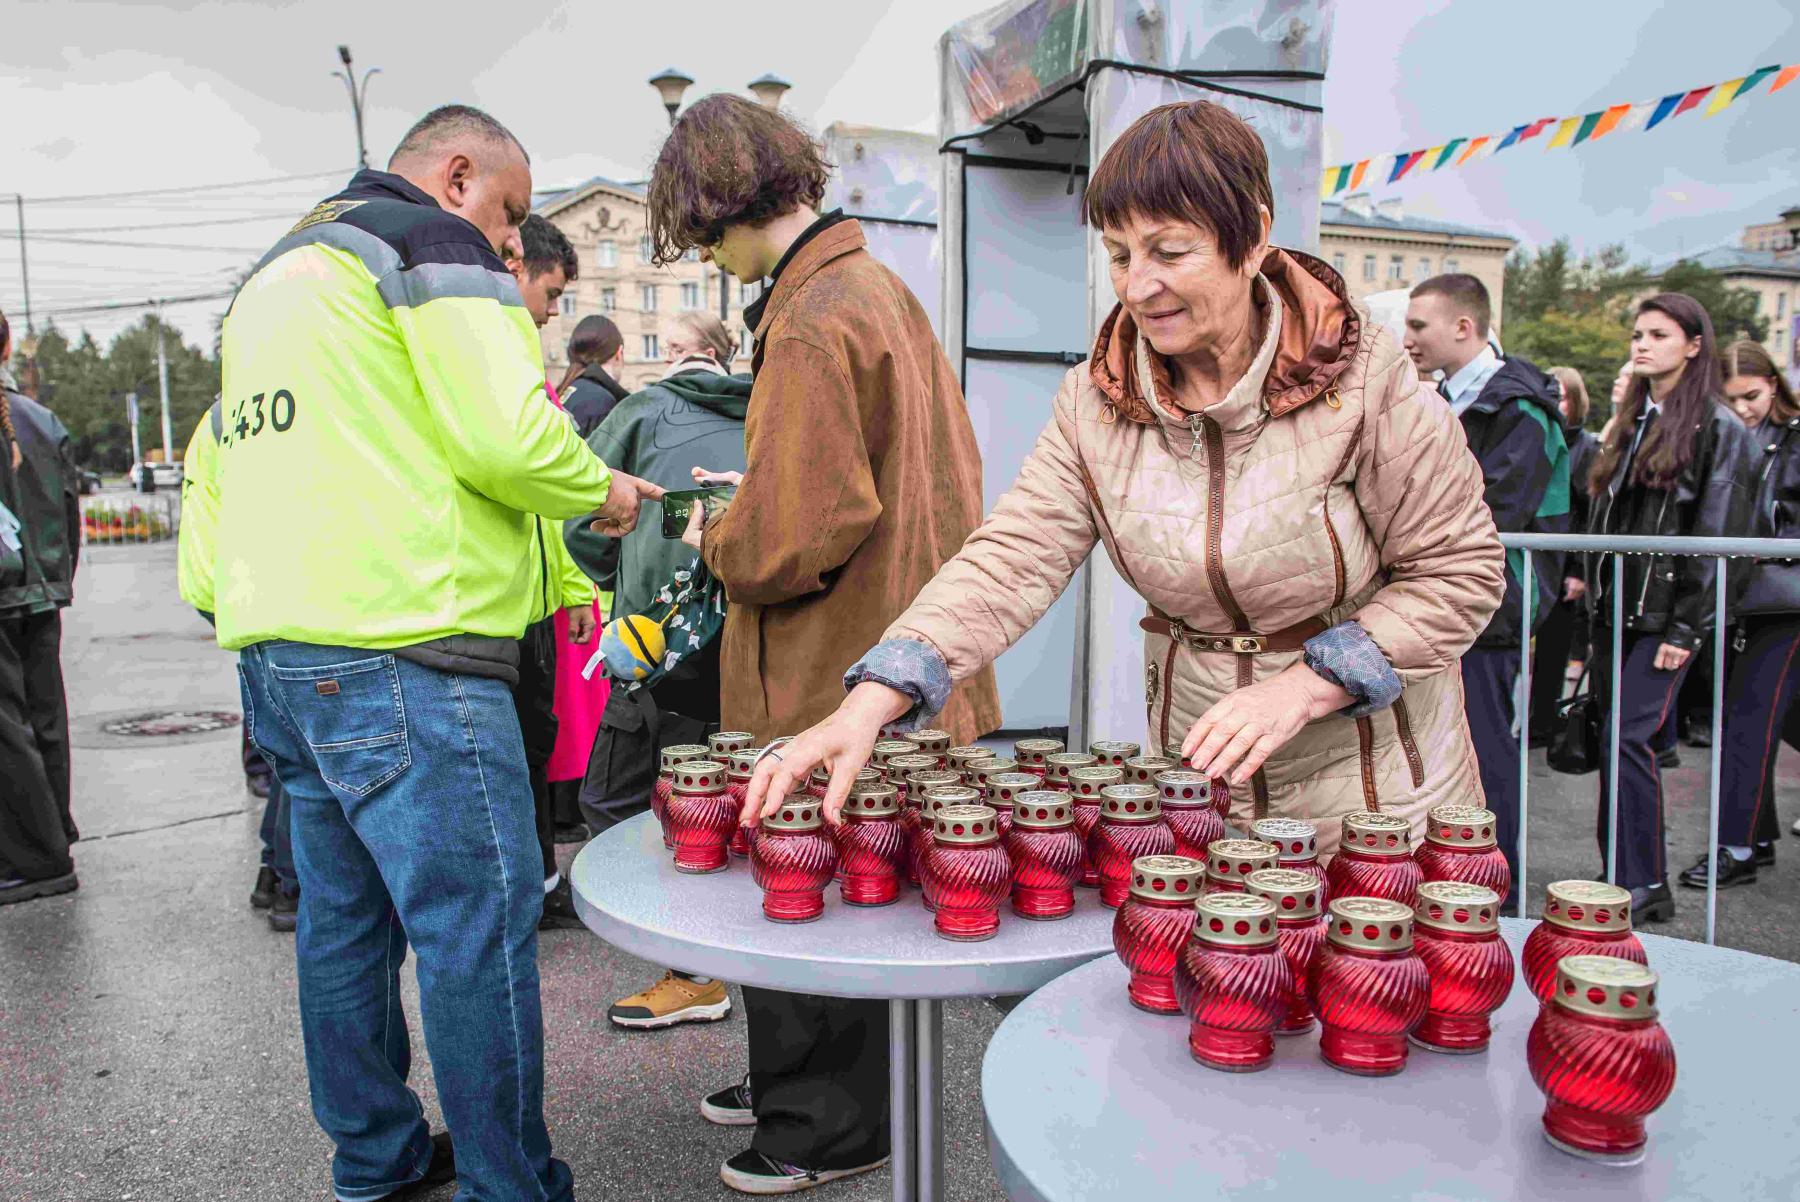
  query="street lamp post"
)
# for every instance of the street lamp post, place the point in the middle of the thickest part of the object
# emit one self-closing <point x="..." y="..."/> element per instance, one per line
<point x="670" y="84"/>
<point x="359" y="94"/>
<point x="769" y="89"/>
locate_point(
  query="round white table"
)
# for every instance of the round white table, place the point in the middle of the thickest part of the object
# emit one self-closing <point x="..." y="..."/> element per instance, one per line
<point x="1088" y="1098"/>
<point x="627" y="891"/>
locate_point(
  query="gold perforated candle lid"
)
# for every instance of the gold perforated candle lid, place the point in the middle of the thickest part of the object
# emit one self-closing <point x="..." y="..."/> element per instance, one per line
<point x="1294" y="838"/>
<point x="1375" y="834"/>
<point x="1043" y="809"/>
<point x="877" y="800"/>
<point x="1033" y="751"/>
<point x="920" y="783"/>
<point x="679" y="752"/>
<point x="797" y="813"/>
<point x="1588" y="906"/>
<point x="1002" y="788"/>
<point x="931" y="742"/>
<point x="1130" y="803"/>
<point x="887" y="749"/>
<point x="1460" y="826"/>
<point x="1236" y="859"/>
<point x="941" y="796"/>
<point x="994" y="765"/>
<point x="1370" y="923"/>
<point x="965" y="824"/>
<point x="727" y="741"/>
<point x="902" y="767"/>
<point x="1142" y="769"/>
<point x="1058" y="765"/>
<point x="1606" y="987"/>
<point x="864" y="776"/>
<point x="699" y="776"/>
<point x="1181" y="787"/>
<point x="1091" y="780"/>
<point x="1114" y="751"/>
<point x="1454" y="906"/>
<point x="1235" y="920"/>
<point x="741" y="765"/>
<point x="1164" y="878"/>
<point x="1295" y="893"/>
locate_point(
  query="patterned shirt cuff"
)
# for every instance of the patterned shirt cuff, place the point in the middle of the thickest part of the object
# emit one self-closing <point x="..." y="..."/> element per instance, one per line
<point x="910" y="667"/>
<point x="1347" y="657"/>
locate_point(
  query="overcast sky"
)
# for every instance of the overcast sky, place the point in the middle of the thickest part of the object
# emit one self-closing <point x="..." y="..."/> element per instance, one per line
<point x="103" y="98"/>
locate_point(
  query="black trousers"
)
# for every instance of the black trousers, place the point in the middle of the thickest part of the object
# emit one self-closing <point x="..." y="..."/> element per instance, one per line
<point x="1562" y="633"/>
<point x="1489" y="675"/>
<point x="1759" y="692"/>
<point x="535" y="697"/>
<point x="1646" y="699"/>
<point x="35" y="828"/>
<point x="682" y="707"/>
<point x="818" y="1079"/>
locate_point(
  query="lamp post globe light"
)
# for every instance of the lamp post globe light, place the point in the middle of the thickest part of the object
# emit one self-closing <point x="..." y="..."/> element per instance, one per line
<point x="670" y="84"/>
<point x="769" y="89"/>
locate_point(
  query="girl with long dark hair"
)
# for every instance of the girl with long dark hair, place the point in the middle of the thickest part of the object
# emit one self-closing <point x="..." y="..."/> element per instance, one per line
<point x="1761" y="683"/>
<point x="1675" y="462"/>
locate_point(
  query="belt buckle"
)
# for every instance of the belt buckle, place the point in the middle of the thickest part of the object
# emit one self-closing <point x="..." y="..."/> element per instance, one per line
<point x="1252" y="643"/>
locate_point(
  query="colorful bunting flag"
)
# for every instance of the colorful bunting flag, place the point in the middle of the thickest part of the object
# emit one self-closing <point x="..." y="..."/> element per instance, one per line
<point x="1474" y="148"/>
<point x="1356" y="177"/>
<point x="1664" y="108"/>
<point x="1787" y="76"/>
<point x="1449" y="150"/>
<point x="1565" y="132"/>
<point x="1586" y="129"/>
<point x="1692" y="100"/>
<point x="1610" y="119"/>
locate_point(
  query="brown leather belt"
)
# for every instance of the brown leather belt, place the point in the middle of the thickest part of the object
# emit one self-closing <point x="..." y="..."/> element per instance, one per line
<point x="1234" y="642"/>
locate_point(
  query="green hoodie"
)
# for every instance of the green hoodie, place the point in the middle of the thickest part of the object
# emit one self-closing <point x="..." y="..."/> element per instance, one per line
<point x="691" y="419"/>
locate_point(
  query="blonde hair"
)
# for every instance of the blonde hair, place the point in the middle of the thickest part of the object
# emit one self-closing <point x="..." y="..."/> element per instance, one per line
<point x="711" y="334"/>
<point x="1575" y="389"/>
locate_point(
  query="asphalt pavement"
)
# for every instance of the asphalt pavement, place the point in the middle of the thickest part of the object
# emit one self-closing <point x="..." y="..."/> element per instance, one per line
<point x="149" y="1038"/>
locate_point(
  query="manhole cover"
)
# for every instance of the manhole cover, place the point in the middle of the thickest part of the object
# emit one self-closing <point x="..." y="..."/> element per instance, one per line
<point x="171" y="722"/>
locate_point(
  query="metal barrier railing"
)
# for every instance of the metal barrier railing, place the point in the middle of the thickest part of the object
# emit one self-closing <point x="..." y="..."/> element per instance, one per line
<point x="1618" y="546"/>
<point x="113" y="518"/>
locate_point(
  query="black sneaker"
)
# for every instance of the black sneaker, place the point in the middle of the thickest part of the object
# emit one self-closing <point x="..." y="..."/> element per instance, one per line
<point x="559" y="909"/>
<point x="1668" y="758"/>
<point x="729" y="1107"/>
<point x="16" y="889"/>
<point x="284" y="912"/>
<point x="443" y="1169"/>
<point x="1652" y="903"/>
<point x="1732" y="871"/>
<point x="571" y="832"/>
<point x="1763" y="854"/>
<point x="753" y="1173"/>
<point x="263" y="895"/>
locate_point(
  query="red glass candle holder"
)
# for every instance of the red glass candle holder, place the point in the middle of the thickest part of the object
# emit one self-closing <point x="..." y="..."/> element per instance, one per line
<point x="1300" y="922"/>
<point x="701" y="816"/>
<point x="934" y="743"/>
<point x="1581" y="918"/>
<point x="1374" y="859"/>
<point x="724" y="743"/>
<point x="1456" y="931"/>
<point x="739" y="767"/>
<point x="1367" y="985"/>
<point x="871" y="846"/>
<point x="665" y="783"/>
<point x="1046" y="855"/>
<point x="1187" y="804"/>
<point x="1153" y="925"/>
<point x="792" y="860"/>
<point x="1233" y="982"/>
<point x="1601" y="1057"/>
<point x="1131" y="826"/>
<point x="901" y="769"/>
<point x="1000" y="789"/>
<point x="820" y="781"/>
<point x="933" y="798"/>
<point x="1144" y="769"/>
<point x="1058" y="765"/>
<point x="883" y="754"/>
<point x="958" y="759"/>
<point x="1296" y="848"/>
<point x="1221" y="795"/>
<point x="1229" y="863"/>
<point x="1459" y="846"/>
<point x="1031" y="754"/>
<point x="1084" y="784"/>
<point x="967" y="874"/>
<point x="1113" y="753"/>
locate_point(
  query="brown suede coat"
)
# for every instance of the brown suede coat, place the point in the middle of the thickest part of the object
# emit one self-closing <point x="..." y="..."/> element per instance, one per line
<point x="863" y="480"/>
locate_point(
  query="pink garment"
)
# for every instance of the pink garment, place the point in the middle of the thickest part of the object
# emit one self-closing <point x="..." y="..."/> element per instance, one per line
<point x="579" y="703"/>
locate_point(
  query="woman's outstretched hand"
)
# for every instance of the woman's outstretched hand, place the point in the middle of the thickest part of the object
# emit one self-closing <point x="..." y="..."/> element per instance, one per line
<point x="842" y="743"/>
<point x="1234" y="738"/>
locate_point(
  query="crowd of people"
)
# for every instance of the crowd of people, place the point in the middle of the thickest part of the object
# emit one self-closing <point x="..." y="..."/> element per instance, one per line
<point x="1332" y="622"/>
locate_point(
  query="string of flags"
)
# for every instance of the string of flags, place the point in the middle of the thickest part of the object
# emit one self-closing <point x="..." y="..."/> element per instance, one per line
<point x="1562" y="131"/>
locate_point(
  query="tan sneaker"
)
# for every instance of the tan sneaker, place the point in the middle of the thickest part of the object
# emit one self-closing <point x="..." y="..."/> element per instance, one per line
<point x="674" y="999"/>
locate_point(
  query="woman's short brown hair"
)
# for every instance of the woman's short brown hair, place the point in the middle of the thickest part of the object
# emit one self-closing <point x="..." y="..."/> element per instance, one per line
<point x="1193" y="162"/>
<point x="729" y="162"/>
<point x="1574" y="390"/>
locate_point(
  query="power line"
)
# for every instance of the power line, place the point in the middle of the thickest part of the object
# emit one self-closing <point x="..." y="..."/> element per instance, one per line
<point x="164" y="302"/>
<point x="269" y="215"/>
<point x="248" y="183"/>
<point x="187" y="246"/>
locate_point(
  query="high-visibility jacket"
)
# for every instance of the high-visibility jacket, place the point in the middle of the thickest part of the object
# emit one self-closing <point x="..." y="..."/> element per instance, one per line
<point x="198" y="536"/>
<point x="387" y="437"/>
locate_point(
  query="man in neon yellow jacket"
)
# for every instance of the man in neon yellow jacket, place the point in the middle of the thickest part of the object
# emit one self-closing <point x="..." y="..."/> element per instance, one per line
<point x="386" y="454"/>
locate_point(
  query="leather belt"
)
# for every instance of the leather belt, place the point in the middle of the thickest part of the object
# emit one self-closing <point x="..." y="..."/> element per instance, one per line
<point x="1234" y="642"/>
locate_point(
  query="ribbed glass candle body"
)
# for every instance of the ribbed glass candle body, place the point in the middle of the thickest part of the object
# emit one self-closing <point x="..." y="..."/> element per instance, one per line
<point x="659" y="804"/>
<point x="700" y="824"/>
<point x="1046" y="864"/>
<point x="1153" y="926"/>
<point x="1354" y="873"/>
<point x="1367" y="1000"/>
<point x="1114" y="844"/>
<point x="1601" y="1077"/>
<point x="1471" y="974"/>
<point x="738" y="791"/>
<point x="966" y="885"/>
<point x="1234" y="998"/>
<point x="1549" y="943"/>
<point x="1195" y="827"/>
<point x="1485" y="866"/>
<point x="871" y="853"/>
<point x="792" y="868"/>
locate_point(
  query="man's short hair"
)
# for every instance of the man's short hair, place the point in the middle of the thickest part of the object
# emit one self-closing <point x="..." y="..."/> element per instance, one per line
<point x="452" y="121"/>
<point x="729" y="161"/>
<point x="546" y="249"/>
<point x="1466" y="294"/>
<point x="595" y="340"/>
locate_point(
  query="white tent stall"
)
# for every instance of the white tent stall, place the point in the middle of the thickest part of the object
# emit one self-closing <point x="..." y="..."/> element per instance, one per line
<point x="888" y="179"/>
<point x="1032" y="94"/>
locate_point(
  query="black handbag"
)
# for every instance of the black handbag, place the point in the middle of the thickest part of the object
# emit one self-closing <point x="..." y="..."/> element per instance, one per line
<point x="1575" y="745"/>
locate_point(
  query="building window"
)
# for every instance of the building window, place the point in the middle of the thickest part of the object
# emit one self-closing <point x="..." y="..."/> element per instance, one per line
<point x="1424" y="268"/>
<point x="1452" y="266"/>
<point x="609" y="300"/>
<point x="652" y="350"/>
<point x="608" y="255"/>
<point x="746" y="343"/>
<point x="690" y="296"/>
<point x="1780" y="307"/>
<point x="1369" y="268"/>
<point x="691" y="255"/>
<point x="1337" y="263"/>
<point x="1397" y="269"/>
<point x="567" y="305"/>
<point x="647" y="298"/>
<point x="646" y="249"/>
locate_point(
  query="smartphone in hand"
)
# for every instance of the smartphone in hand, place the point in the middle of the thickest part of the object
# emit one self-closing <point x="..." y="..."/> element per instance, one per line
<point x="678" y="507"/>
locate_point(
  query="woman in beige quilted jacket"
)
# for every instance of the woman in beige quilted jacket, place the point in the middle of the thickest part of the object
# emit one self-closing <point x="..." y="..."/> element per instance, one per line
<point x="1303" y="519"/>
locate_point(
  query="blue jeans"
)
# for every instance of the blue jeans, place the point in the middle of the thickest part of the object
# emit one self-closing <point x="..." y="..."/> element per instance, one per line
<point x="412" y="820"/>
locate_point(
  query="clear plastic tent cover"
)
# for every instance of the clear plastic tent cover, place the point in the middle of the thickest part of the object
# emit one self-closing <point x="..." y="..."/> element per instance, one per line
<point x="889" y="179"/>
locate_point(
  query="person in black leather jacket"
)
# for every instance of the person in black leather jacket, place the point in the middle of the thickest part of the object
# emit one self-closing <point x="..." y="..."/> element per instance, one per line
<point x="1676" y="462"/>
<point x="1761" y="684"/>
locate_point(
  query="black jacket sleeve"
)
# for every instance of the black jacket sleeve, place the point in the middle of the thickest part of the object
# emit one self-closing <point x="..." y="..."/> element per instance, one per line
<point x="1722" y="509"/>
<point x="1514" y="470"/>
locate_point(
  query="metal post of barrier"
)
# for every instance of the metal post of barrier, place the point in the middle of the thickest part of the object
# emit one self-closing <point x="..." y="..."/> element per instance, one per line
<point x="1718" y="752"/>
<point x="1612" y="782"/>
<point x="1524" y="693"/>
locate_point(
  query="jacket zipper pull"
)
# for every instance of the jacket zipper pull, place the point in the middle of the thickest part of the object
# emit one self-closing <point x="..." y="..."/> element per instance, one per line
<point x="1195" y="422"/>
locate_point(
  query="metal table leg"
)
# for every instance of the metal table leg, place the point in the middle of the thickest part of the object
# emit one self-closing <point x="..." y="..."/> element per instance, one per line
<point x="903" y="1099"/>
<point x="929" y="1135"/>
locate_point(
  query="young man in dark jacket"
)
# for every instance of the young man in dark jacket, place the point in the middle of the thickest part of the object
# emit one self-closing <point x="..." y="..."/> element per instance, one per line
<point x="1510" y="412"/>
<point x="40" y="540"/>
